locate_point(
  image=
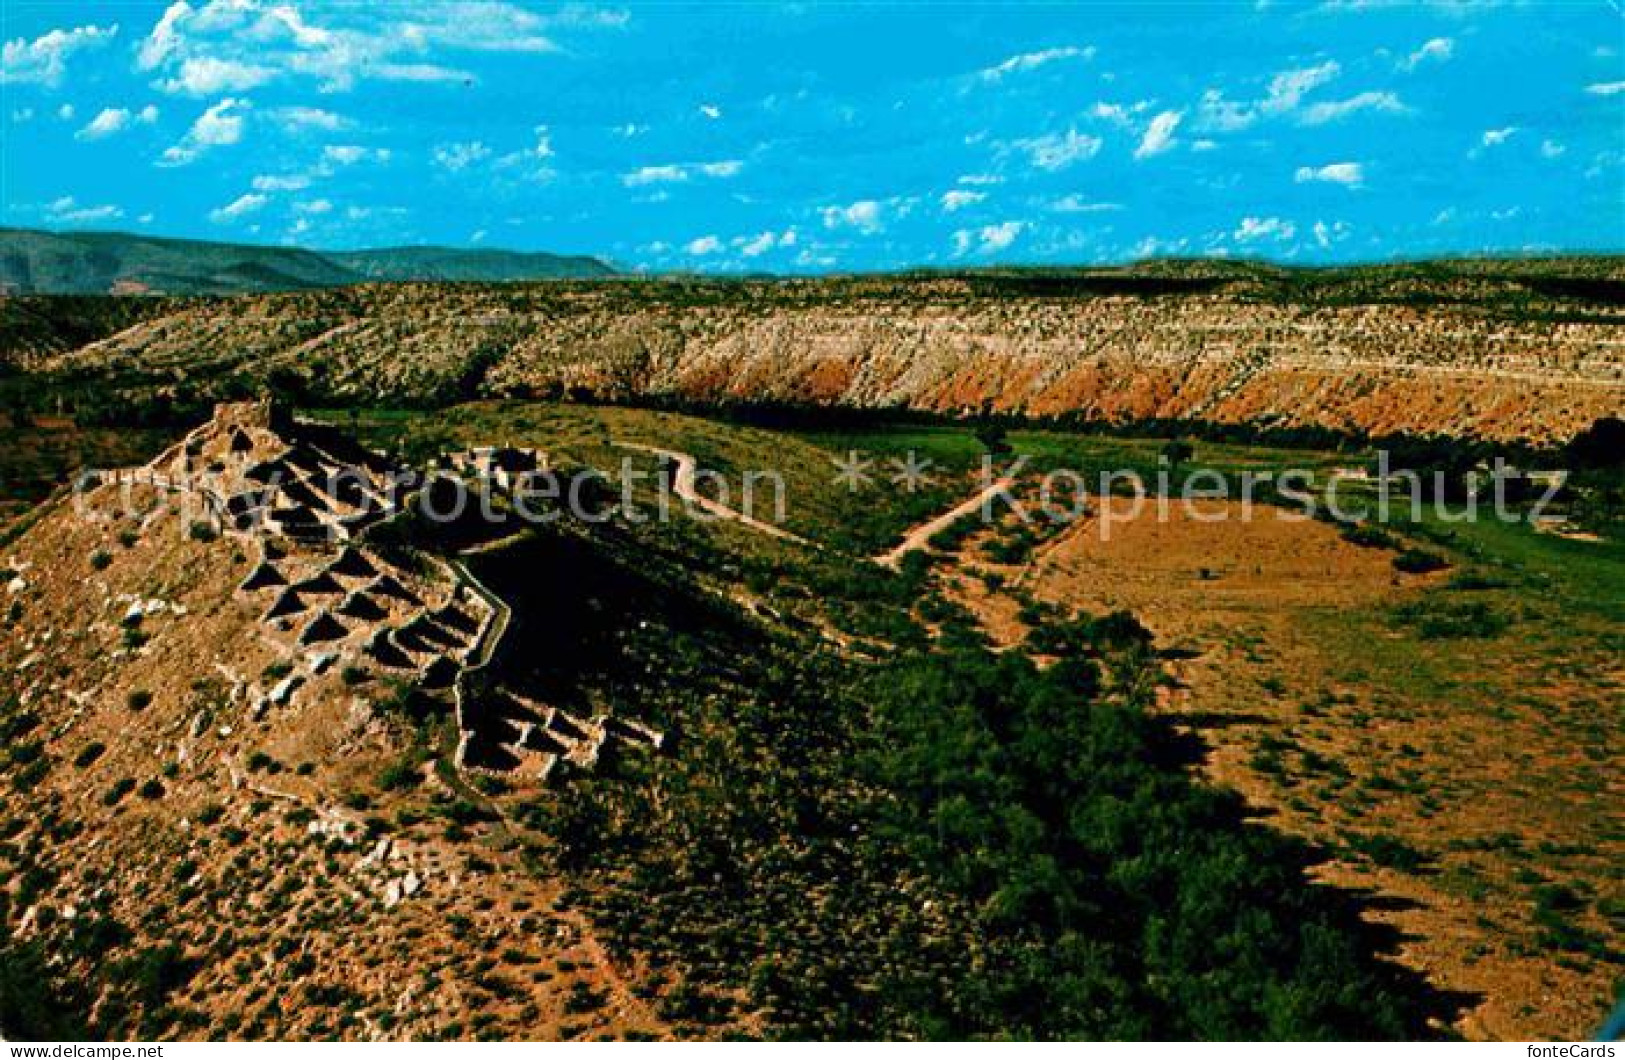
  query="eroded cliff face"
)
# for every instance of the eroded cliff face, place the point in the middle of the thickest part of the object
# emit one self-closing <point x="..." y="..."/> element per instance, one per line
<point x="1458" y="368"/>
<point x="1376" y="369"/>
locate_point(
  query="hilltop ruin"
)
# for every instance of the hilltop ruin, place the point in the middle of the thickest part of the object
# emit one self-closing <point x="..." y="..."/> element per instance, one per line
<point x="328" y="600"/>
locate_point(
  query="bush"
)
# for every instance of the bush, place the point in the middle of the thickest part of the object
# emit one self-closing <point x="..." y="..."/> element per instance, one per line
<point x="1367" y="536"/>
<point x="100" y="559"/>
<point x="140" y="699"/>
<point x="1418" y="561"/>
<point x="84" y="759"/>
<point x="1436" y="618"/>
<point x="121" y="787"/>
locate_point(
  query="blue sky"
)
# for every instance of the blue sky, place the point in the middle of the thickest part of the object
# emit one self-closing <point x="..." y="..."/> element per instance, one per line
<point x="812" y="138"/>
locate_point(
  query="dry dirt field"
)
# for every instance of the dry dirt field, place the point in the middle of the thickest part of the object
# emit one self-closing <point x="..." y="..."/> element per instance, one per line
<point x="1458" y="800"/>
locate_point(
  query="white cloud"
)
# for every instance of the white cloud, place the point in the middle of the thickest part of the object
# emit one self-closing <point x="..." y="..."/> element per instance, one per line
<point x="299" y="119"/>
<point x="1119" y="114"/>
<point x="1439" y="49"/>
<point x="458" y="157"/>
<point x="958" y="199"/>
<point x="289" y="182"/>
<point x="44" y="59"/>
<point x="65" y="112"/>
<point x="1033" y="60"/>
<point x="1288" y="88"/>
<point x="1285" y="97"/>
<point x="1218" y="114"/>
<point x="108" y="122"/>
<point x="704" y="245"/>
<point x="66" y="211"/>
<point x="22" y="115"/>
<point x="1551" y="149"/>
<point x="1057" y="151"/>
<point x="988" y="239"/>
<point x="1327" y="234"/>
<point x="980" y="180"/>
<point x="1382" y="102"/>
<point x="757" y="245"/>
<point x="668" y="174"/>
<point x="1075" y="203"/>
<point x="1606" y="88"/>
<point x="219" y="126"/>
<point x="1348" y="174"/>
<point x="1497" y="137"/>
<point x="1254" y="229"/>
<point x="865" y="215"/>
<point x="234" y="42"/>
<point x="313" y="207"/>
<point x="678" y="173"/>
<point x="164" y="39"/>
<point x="1159" y="135"/>
<point x="238" y="208"/>
<point x="533" y="160"/>
<point x="711" y="110"/>
<point x="208" y="76"/>
<point x="349" y="155"/>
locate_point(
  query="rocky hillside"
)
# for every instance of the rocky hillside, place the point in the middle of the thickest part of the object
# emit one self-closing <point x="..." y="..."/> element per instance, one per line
<point x="1500" y="351"/>
<point x="239" y="741"/>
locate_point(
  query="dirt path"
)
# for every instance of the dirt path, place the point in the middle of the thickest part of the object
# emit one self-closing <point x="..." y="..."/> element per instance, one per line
<point x="683" y="486"/>
<point x="921" y="535"/>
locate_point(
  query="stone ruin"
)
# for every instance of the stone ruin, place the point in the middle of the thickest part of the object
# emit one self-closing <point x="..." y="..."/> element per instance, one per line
<point x="511" y="736"/>
<point x="501" y="465"/>
<point x="330" y="601"/>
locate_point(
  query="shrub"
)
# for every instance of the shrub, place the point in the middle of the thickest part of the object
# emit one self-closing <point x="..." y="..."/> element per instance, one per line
<point x="152" y="789"/>
<point x="1418" y="561"/>
<point x="1367" y="536"/>
<point x="140" y="699"/>
<point x="1476" y="581"/>
<point x="1436" y="618"/>
<point x="100" y="559"/>
<point x="400" y="774"/>
<point x="84" y="759"/>
<point x="121" y="787"/>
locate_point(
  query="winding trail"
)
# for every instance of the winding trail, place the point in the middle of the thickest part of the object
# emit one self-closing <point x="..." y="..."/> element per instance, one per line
<point x="920" y="537"/>
<point x="683" y="486"/>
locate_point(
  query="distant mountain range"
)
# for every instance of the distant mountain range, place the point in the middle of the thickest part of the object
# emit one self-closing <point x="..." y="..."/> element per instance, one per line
<point x="37" y="262"/>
